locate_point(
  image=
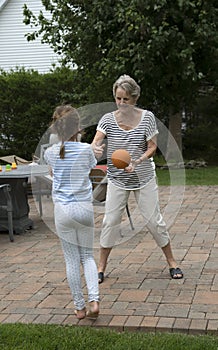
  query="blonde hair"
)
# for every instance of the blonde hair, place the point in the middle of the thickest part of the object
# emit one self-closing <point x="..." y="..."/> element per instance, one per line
<point x="66" y="123"/>
<point x="128" y="84"/>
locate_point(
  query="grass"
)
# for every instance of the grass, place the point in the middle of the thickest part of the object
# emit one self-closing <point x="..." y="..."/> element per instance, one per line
<point x="54" y="337"/>
<point x="197" y="177"/>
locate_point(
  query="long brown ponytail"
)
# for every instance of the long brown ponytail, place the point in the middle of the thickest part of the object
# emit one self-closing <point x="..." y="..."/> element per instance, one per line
<point x="66" y="125"/>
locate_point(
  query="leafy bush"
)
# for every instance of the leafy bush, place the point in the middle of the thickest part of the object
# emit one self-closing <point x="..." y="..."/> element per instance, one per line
<point x="27" y="101"/>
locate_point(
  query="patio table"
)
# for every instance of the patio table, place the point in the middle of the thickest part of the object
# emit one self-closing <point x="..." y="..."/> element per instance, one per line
<point x="18" y="179"/>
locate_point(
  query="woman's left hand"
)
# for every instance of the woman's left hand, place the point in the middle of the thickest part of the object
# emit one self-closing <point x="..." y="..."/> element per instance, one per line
<point x="131" y="167"/>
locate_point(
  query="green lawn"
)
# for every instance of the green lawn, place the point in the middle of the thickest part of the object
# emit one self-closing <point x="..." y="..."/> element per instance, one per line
<point x="202" y="176"/>
<point x="53" y="337"/>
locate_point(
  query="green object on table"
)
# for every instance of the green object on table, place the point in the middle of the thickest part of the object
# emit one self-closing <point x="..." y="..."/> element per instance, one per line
<point x="8" y="167"/>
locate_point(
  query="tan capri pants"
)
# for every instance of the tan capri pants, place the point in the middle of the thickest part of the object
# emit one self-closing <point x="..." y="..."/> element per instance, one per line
<point x="148" y="203"/>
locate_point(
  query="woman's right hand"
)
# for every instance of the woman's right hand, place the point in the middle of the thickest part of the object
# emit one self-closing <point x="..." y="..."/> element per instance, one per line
<point x="98" y="149"/>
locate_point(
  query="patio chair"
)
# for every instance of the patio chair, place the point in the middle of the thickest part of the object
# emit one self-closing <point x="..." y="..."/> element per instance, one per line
<point x="42" y="185"/>
<point x="99" y="182"/>
<point x="6" y="205"/>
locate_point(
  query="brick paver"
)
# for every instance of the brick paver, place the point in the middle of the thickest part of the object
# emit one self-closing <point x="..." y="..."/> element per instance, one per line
<point x="138" y="293"/>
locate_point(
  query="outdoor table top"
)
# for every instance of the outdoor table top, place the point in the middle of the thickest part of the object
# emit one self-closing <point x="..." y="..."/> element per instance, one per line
<point x="24" y="171"/>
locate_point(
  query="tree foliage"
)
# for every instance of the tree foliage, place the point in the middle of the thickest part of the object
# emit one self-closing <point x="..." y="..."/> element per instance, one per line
<point x="27" y="101"/>
<point x="200" y="137"/>
<point x="168" y="46"/>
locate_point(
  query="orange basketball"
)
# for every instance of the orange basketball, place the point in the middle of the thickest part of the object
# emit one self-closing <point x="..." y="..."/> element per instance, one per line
<point x="121" y="158"/>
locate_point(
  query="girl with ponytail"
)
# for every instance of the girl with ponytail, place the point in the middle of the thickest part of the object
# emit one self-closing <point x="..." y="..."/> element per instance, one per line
<point x="71" y="162"/>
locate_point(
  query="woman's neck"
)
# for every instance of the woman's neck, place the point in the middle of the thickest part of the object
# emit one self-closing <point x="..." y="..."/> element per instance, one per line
<point x="129" y="119"/>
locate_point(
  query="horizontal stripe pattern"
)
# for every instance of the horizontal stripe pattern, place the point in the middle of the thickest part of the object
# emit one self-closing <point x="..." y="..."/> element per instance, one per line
<point x="135" y="142"/>
<point x="71" y="182"/>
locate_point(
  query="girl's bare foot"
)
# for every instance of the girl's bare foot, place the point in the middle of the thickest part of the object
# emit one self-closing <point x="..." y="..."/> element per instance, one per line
<point x="80" y="314"/>
<point x="93" y="311"/>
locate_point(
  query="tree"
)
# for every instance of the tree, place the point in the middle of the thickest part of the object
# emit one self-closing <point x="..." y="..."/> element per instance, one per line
<point x="200" y="139"/>
<point x="169" y="47"/>
<point x="27" y="102"/>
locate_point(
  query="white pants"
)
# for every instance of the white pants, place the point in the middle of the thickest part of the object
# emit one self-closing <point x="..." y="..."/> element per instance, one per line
<point x="75" y="226"/>
<point x="148" y="204"/>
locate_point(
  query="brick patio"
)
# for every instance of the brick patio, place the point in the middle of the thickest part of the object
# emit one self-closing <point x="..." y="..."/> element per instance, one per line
<point x="138" y="293"/>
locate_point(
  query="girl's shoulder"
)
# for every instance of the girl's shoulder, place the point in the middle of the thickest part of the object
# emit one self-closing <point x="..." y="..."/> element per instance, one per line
<point x="82" y="147"/>
<point x="77" y="145"/>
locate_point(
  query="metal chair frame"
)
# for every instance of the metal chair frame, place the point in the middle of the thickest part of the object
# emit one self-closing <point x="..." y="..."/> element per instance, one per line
<point x="43" y="184"/>
<point x="6" y="188"/>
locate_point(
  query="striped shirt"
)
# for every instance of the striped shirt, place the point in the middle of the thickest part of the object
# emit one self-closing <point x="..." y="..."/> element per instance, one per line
<point x="135" y="142"/>
<point x="71" y="182"/>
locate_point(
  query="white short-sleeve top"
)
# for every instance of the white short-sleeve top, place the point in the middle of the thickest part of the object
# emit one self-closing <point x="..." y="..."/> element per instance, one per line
<point x="135" y="142"/>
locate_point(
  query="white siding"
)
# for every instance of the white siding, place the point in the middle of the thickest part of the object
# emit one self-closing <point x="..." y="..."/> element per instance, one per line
<point x="15" y="50"/>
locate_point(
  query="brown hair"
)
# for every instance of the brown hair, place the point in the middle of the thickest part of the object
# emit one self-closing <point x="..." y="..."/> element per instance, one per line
<point x="60" y="110"/>
<point x="66" y="123"/>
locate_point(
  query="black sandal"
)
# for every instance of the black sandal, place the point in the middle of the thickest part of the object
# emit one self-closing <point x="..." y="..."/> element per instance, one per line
<point x="100" y="277"/>
<point x="174" y="272"/>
